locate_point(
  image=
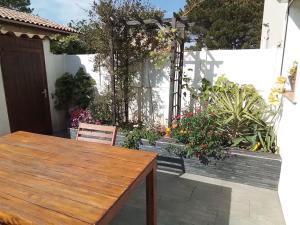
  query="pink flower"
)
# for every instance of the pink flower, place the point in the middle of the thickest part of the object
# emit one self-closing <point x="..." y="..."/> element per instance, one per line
<point x="80" y="115"/>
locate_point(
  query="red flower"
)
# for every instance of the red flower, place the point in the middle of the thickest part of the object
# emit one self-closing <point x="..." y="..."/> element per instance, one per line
<point x="178" y="117"/>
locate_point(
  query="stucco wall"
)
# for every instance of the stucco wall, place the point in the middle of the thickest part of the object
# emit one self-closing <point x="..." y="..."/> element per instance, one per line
<point x="289" y="185"/>
<point x="259" y="67"/>
<point x="273" y="24"/>
<point x="249" y="66"/>
<point x="4" y="122"/>
<point x="55" y="67"/>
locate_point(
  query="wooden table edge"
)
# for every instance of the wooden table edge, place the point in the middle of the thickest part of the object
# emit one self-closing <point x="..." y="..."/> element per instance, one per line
<point x="111" y="213"/>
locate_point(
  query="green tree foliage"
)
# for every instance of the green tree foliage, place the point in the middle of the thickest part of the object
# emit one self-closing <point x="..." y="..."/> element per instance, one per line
<point x="226" y="24"/>
<point x="131" y="44"/>
<point x="20" y="5"/>
<point x="80" y="43"/>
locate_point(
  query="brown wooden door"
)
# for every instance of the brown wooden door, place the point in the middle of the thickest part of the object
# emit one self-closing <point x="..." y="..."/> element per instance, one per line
<point x="25" y="84"/>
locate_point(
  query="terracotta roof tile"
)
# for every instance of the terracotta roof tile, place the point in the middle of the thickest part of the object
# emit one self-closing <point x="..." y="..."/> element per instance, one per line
<point x="14" y="15"/>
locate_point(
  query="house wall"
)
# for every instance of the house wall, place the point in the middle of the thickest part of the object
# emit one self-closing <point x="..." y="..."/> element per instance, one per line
<point x="288" y="133"/>
<point x="4" y="122"/>
<point x="273" y="24"/>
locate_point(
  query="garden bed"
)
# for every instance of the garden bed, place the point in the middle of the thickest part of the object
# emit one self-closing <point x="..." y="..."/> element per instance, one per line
<point x="252" y="168"/>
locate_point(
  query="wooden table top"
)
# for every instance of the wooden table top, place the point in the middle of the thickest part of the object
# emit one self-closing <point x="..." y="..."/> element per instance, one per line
<point x="49" y="180"/>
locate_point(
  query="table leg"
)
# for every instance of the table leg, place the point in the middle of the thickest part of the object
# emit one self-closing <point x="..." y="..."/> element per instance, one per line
<point x="151" y="193"/>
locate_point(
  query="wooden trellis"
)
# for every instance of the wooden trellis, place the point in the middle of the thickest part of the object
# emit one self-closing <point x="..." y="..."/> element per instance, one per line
<point x="177" y="54"/>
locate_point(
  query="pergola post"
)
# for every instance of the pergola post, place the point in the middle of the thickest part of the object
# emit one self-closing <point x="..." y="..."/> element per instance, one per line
<point x="112" y="75"/>
<point x="172" y="75"/>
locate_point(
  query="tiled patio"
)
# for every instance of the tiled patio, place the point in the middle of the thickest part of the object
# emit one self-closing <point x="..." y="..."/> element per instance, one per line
<point x="195" y="200"/>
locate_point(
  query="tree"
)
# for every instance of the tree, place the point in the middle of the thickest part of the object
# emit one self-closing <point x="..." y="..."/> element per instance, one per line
<point x="20" y="5"/>
<point x="225" y="24"/>
<point x="119" y="46"/>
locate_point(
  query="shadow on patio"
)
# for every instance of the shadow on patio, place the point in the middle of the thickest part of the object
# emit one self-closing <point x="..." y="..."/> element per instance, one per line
<point x="180" y="202"/>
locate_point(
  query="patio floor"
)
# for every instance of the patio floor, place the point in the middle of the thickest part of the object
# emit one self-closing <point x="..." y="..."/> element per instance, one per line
<point x="196" y="200"/>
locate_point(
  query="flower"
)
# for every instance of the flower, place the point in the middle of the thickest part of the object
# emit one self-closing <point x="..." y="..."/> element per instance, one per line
<point x="281" y="80"/>
<point x="178" y="117"/>
<point x="256" y="146"/>
<point x="278" y="89"/>
<point x="174" y="125"/>
<point x="274" y="99"/>
<point x="168" y="130"/>
<point x="80" y="116"/>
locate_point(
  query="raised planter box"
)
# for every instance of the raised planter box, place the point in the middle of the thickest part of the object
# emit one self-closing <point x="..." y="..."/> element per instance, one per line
<point x="251" y="168"/>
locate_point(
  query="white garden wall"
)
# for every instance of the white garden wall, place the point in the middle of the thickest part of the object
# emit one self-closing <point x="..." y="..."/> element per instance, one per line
<point x="289" y="185"/>
<point x="258" y="67"/>
<point x="55" y="68"/>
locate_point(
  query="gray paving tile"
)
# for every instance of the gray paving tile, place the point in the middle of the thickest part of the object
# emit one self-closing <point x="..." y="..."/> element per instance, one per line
<point x="194" y="200"/>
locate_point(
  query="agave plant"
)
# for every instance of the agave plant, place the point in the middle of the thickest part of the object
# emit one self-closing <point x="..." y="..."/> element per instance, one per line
<point x="238" y="109"/>
<point x="245" y="115"/>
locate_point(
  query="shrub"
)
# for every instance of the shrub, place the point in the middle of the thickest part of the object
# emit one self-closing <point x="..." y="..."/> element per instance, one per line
<point x="239" y="112"/>
<point x="244" y="114"/>
<point x="201" y="134"/>
<point x="133" y="138"/>
<point x="100" y="107"/>
<point x="74" y="91"/>
<point x="84" y="89"/>
<point x="64" y="92"/>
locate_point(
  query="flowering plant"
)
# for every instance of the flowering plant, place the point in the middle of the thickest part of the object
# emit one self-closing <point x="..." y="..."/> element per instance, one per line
<point x="201" y="134"/>
<point x="276" y="92"/>
<point x="81" y="116"/>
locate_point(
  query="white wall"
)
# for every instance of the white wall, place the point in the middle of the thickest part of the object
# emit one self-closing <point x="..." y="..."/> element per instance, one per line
<point x="274" y="16"/>
<point x="288" y="134"/>
<point x="256" y="67"/>
<point x="74" y="62"/>
<point x="249" y="66"/>
<point x="259" y="67"/>
<point x="4" y="122"/>
<point x="55" y="67"/>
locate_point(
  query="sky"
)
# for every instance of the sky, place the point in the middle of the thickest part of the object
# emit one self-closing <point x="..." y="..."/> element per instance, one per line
<point x="63" y="11"/>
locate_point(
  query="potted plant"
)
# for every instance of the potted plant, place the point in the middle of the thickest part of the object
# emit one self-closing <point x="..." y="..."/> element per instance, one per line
<point x="73" y="94"/>
<point x="293" y="75"/>
<point x="77" y="116"/>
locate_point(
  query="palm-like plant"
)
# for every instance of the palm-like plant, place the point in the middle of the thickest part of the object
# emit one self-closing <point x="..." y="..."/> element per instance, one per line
<point x="244" y="114"/>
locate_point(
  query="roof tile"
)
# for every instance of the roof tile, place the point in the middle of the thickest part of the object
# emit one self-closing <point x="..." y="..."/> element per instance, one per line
<point x="14" y="15"/>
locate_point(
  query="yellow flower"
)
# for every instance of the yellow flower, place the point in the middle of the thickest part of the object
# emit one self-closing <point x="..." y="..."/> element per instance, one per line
<point x="168" y="129"/>
<point x="277" y="90"/>
<point x="274" y="98"/>
<point x="281" y="80"/>
<point x="256" y="146"/>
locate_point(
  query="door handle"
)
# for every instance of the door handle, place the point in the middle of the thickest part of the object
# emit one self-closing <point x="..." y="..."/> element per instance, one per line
<point x="45" y="93"/>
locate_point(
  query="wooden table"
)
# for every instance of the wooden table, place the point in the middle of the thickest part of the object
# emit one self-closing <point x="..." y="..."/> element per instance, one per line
<point x="47" y="180"/>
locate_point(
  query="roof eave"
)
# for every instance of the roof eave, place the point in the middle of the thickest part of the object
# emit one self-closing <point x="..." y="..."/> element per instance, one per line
<point x="57" y="31"/>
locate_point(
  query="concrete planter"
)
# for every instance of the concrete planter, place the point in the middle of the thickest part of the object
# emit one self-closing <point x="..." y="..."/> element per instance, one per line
<point x="251" y="168"/>
<point x="256" y="169"/>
